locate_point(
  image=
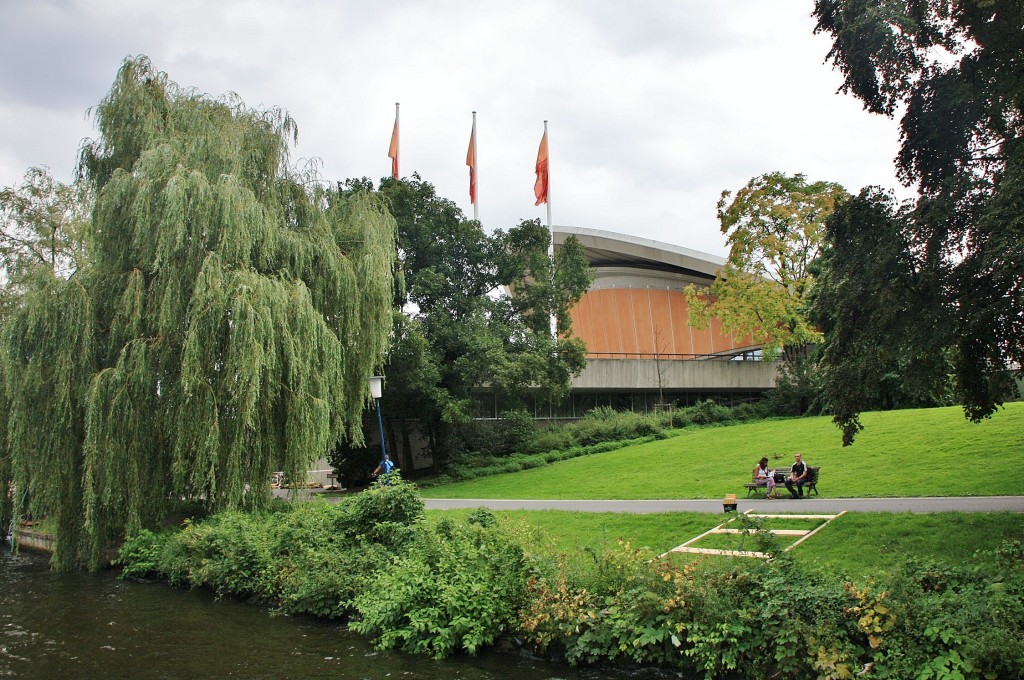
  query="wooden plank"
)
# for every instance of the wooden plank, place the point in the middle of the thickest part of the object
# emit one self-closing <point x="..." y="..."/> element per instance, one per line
<point x="722" y="528"/>
<point x="707" y="533"/>
<point x="777" y="532"/>
<point x="826" y="517"/>
<point x="813" y="532"/>
<point x="716" y="551"/>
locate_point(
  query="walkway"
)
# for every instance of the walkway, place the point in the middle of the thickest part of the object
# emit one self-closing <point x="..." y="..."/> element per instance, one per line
<point x="814" y="504"/>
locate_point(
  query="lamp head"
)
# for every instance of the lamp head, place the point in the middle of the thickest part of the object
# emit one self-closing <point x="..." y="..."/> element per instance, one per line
<point x="376" y="386"/>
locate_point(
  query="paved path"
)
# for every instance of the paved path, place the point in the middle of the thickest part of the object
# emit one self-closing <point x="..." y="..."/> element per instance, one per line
<point x="814" y="504"/>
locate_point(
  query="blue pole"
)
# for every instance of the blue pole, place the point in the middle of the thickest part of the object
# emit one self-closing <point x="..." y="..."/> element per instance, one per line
<point x="380" y="424"/>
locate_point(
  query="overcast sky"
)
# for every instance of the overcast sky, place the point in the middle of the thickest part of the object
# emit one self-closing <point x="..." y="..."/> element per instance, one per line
<point x="654" y="107"/>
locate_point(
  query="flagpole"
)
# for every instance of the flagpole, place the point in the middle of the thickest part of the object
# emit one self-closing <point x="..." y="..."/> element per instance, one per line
<point x="393" y="149"/>
<point x="551" y="232"/>
<point x="476" y="175"/>
<point x="398" y="143"/>
<point x="551" y="250"/>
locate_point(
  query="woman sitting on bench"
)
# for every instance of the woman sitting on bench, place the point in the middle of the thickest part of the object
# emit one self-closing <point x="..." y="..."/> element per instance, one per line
<point x="764" y="477"/>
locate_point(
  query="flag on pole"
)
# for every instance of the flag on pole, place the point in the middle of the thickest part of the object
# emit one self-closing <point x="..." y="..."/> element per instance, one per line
<point x="393" y="150"/>
<point x="471" y="162"/>
<point x="540" y="187"/>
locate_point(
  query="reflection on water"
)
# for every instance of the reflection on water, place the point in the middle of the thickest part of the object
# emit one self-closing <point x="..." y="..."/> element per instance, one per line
<point x="95" y="626"/>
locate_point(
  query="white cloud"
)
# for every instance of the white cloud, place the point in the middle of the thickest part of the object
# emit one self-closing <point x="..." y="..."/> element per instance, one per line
<point x="654" y="107"/>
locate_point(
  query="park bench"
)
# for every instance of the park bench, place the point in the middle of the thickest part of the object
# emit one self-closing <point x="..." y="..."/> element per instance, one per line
<point x="781" y="473"/>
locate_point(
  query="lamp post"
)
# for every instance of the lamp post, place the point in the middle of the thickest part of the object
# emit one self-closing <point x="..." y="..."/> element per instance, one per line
<point x="377" y="391"/>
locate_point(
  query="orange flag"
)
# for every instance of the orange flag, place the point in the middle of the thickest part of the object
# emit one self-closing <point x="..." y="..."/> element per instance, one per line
<point x="393" y="150"/>
<point x="540" y="187"/>
<point x="471" y="162"/>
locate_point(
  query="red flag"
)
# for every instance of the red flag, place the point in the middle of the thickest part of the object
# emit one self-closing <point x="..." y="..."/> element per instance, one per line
<point x="393" y="150"/>
<point x="540" y="187"/>
<point x="471" y="162"/>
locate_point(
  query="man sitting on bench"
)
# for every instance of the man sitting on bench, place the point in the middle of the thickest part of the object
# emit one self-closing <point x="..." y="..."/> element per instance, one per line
<point x="798" y="476"/>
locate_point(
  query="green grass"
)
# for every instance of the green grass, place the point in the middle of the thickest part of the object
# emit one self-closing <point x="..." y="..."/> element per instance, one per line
<point x="856" y="545"/>
<point x="927" y="452"/>
<point x="923" y="452"/>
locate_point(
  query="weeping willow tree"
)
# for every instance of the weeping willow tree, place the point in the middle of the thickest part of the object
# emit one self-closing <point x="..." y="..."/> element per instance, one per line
<point x="224" y="327"/>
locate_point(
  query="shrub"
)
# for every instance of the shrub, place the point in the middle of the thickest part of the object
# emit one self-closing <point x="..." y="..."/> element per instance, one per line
<point x="323" y="580"/>
<point x="708" y="412"/>
<point x="458" y="586"/>
<point x="229" y="553"/>
<point x="391" y="499"/>
<point x="550" y="438"/>
<point x="456" y="589"/>
<point x="513" y="432"/>
<point x="313" y="559"/>
<point x="140" y="555"/>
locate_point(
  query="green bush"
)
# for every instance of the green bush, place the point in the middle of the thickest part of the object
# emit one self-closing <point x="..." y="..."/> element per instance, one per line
<point x="550" y="438"/>
<point x="390" y="500"/>
<point x="775" y="619"/>
<point x="457" y="589"/>
<point x="458" y="586"/>
<point x="140" y="555"/>
<point x="513" y="432"/>
<point x="708" y="412"/>
<point x="229" y="553"/>
<point x="313" y="559"/>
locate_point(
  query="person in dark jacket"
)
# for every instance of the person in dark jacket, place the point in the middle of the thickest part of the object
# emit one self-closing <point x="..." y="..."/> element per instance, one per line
<point x="797" y="477"/>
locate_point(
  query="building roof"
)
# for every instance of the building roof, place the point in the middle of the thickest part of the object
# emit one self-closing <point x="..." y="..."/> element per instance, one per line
<point x="609" y="249"/>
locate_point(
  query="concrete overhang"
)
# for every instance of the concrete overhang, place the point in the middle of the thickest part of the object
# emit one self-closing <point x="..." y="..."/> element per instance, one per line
<point x="609" y="249"/>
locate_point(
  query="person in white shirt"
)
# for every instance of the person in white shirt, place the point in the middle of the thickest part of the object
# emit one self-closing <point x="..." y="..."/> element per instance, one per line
<point x="765" y="477"/>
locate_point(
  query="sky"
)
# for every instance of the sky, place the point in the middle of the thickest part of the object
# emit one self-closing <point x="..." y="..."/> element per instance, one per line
<point x="654" y="107"/>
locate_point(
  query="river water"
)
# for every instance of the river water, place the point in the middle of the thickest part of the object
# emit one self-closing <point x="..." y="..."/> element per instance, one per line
<point x="96" y="626"/>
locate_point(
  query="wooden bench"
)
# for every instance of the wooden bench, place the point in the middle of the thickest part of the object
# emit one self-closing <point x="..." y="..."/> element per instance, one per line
<point x="810" y="485"/>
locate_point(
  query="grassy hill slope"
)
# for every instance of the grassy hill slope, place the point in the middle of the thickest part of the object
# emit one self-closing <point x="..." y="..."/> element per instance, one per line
<point x="924" y="452"/>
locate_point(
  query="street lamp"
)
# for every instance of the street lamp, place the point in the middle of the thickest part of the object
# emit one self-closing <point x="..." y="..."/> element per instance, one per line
<point x="377" y="391"/>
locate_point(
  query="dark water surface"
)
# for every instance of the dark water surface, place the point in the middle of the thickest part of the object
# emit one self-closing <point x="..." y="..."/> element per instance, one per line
<point x="96" y="626"/>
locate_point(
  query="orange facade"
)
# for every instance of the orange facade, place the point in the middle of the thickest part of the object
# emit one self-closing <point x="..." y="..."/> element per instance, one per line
<point x="639" y="323"/>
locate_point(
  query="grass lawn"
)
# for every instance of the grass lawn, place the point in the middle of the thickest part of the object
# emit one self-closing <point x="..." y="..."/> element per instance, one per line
<point x="856" y="545"/>
<point x="922" y="452"/>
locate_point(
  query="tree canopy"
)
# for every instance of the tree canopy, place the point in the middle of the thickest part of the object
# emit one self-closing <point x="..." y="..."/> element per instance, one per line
<point x="886" y="341"/>
<point x="42" y="226"/>
<point x="774" y="227"/>
<point x="223" y="327"/>
<point x="953" y="70"/>
<point x="477" y="313"/>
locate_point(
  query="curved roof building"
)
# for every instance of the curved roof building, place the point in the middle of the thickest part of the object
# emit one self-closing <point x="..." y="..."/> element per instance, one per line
<point x="636" y="308"/>
<point x="642" y="353"/>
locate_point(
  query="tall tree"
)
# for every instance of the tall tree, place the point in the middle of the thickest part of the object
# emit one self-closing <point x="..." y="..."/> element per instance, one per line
<point x="954" y="70"/>
<point x="41" y="243"/>
<point x="774" y="227"/>
<point x="42" y="225"/>
<point x="480" y="307"/>
<point x="886" y="342"/>
<point x="225" y="325"/>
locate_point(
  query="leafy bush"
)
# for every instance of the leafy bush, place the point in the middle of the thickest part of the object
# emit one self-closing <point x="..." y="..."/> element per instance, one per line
<point x="513" y="432"/>
<point x="457" y="588"/>
<point x="774" y="619"/>
<point x="550" y="438"/>
<point x="353" y="464"/>
<point x="708" y="412"/>
<point x="313" y="559"/>
<point x="140" y="555"/>
<point x="391" y="500"/>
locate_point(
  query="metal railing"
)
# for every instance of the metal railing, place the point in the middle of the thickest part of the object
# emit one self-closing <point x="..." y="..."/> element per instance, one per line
<point x="749" y="355"/>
